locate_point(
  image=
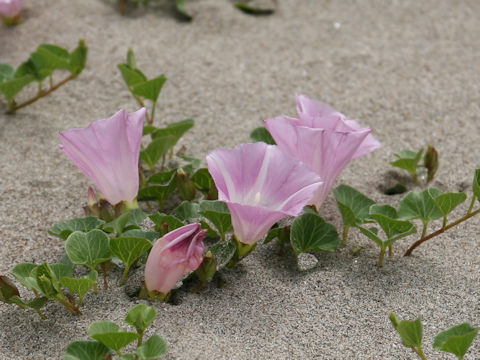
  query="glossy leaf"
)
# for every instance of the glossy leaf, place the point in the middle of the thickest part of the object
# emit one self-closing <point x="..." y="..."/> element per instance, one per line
<point x="223" y="252"/>
<point x="419" y="205"/>
<point x="12" y="87"/>
<point x="408" y="160"/>
<point x="150" y="89"/>
<point x="23" y="273"/>
<point x="476" y="184"/>
<point x="157" y="149"/>
<point x="89" y="249"/>
<point x="393" y="228"/>
<point x="165" y="223"/>
<point x="309" y="232"/>
<point x="456" y="340"/>
<point x="186" y="211"/>
<point x="447" y="202"/>
<point x="149" y="235"/>
<point x="131" y="76"/>
<point x="175" y="130"/>
<point x="64" y="228"/>
<point x="141" y="316"/>
<point x="353" y="205"/>
<point x="162" y="185"/>
<point x="129" y="249"/>
<point x="78" y="58"/>
<point x="80" y="286"/>
<point x="262" y="134"/>
<point x="152" y="349"/>
<point x="217" y="212"/>
<point x="110" y="334"/>
<point x="202" y="180"/>
<point x="87" y="350"/>
<point x="411" y="332"/>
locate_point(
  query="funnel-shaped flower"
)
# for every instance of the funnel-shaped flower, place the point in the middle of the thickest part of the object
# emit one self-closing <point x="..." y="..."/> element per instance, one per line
<point x="173" y="256"/>
<point x="10" y="8"/>
<point x="107" y="152"/>
<point x="260" y="185"/>
<point x="321" y="138"/>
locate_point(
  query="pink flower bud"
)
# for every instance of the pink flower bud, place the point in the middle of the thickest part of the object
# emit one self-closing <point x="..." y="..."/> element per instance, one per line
<point x="10" y="8"/>
<point x="173" y="256"/>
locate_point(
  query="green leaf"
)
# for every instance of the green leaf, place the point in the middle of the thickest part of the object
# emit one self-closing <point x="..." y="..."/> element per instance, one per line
<point x="223" y="252"/>
<point x="87" y="350"/>
<point x="411" y="332"/>
<point x="272" y="234"/>
<point x="476" y="184"/>
<point x="252" y="9"/>
<point x="186" y="211"/>
<point x="12" y="87"/>
<point x="202" y="180"/>
<point x="22" y="272"/>
<point x="165" y="223"/>
<point x="80" y="286"/>
<point x="261" y="134"/>
<point x="152" y="349"/>
<point x="35" y="303"/>
<point x="217" y="212"/>
<point x="64" y="228"/>
<point x="148" y="129"/>
<point x="309" y="232"/>
<point x="150" y="89"/>
<point x="372" y="234"/>
<point x="408" y="160"/>
<point x="211" y="234"/>
<point x="131" y="76"/>
<point x="149" y="235"/>
<point x="456" y="340"/>
<point x="78" y="58"/>
<point x="47" y="281"/>
<point x="193" y="164"/>
<point x="419" y="205"/>
<point x="157" y="149"/>
<point x="446" y="202"/>
<point x="88" y="249"/>
<point x="141" y="316"/>
<point x="7" y="289"/>
<point x="61" y="270"/>
<point x="175" y="130"/>
<point x="163" y="185"/>
<point x="393" y="228"/>
<point x="353" y="205"/>
<point x="182" y="12"/>
<point x="110" y="334"/>
<point x="129" y="249"/>
<point x="119" y="224"/>
<point x="48" y="58"/>
<point x="6" y="72"/>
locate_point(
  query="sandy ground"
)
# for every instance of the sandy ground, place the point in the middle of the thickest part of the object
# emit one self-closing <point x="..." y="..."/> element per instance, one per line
<point x="408" y="69"/>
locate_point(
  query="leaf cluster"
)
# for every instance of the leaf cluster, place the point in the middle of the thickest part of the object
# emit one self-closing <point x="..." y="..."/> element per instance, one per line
<point x="110" y="339"/>
<point x="359" y="211"/>
<point x="41" y="65"/>
<point x="455" y="340"/>
<point x="412" y="162"/>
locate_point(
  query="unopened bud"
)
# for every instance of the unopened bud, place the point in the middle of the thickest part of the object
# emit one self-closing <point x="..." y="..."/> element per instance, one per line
<point x="185" y="186"/>
<point x="7" y="289"/>
<point x="207" y="268"/>
<point x="431" y="162"/>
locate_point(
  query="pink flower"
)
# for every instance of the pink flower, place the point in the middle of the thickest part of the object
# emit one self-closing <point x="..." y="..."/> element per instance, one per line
<point x="10" y="8"/>
<point x="260" y="186"/>
<point x="107" y="152"/>
<point x="173" y="256"/>
<point x="323" y="139"/>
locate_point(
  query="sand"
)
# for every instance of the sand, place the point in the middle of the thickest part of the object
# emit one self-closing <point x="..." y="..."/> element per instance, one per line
<point x="408" y="69"/>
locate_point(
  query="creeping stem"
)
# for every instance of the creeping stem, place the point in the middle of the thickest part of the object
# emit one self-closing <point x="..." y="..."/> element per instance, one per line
<point x="41" y="93"/>
<point x="440" y="231"/>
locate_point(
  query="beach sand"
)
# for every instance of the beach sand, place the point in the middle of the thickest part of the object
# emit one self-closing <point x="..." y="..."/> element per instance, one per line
<point x="408" y="69"/>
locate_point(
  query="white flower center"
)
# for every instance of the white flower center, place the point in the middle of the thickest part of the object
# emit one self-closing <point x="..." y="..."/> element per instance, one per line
<point x="257" y="198"/>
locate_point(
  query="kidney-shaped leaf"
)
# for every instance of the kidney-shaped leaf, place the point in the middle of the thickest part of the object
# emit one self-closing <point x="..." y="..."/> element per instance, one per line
<point x="89" y="249"/>
<point x="87" y="350"/>
<point x="310" y="232"/>
<point x="456" y="340"/>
